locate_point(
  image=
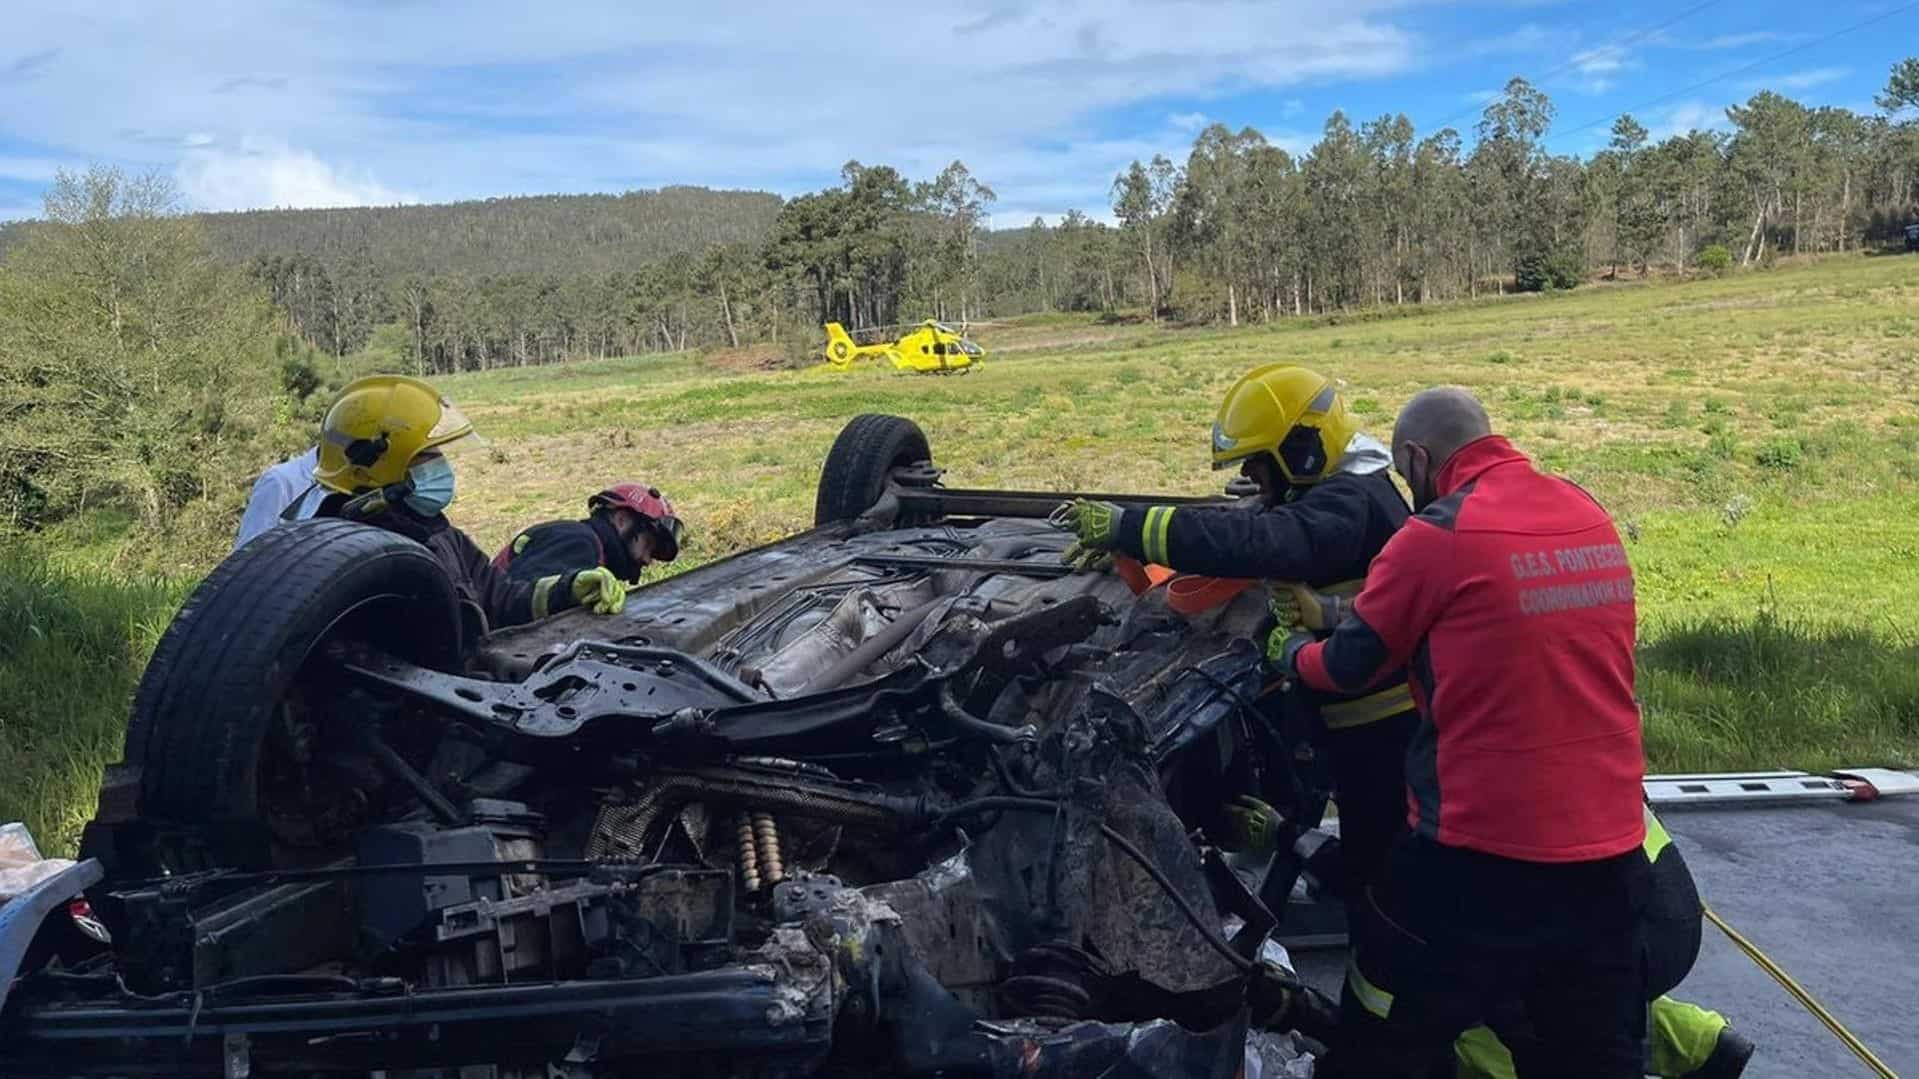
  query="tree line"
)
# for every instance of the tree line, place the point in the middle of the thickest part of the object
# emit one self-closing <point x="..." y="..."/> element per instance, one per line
<point x="1241" y="229"/>
<point x="1373" y="213"/>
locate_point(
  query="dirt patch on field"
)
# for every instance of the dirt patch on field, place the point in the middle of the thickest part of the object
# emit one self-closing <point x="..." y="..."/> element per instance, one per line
<point x="762" y="357"/>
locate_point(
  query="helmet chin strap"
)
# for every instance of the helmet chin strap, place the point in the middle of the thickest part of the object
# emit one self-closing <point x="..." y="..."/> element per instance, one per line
<point x="377" y="501"/>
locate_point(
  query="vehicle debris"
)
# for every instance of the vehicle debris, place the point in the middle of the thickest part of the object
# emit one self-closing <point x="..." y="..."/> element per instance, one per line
<point x="892" y="796"/>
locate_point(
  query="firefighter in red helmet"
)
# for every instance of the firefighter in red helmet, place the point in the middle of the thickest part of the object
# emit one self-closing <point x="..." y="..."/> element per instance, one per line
<point x="628" y="527"/>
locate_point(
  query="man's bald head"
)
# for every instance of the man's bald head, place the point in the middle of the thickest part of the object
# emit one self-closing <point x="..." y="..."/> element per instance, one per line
<point x="1441" y="419"/>
<point x="1431" y="428"/>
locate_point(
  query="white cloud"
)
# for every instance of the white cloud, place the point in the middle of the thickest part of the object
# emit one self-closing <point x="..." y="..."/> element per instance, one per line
<point x="1603" y="60"/>
<point x="1600" y="67"/>
<point x="510" y="98"/>
<point x="262" y="174"/>
<point x="1292" y="107"/>
<point x="1801" y="80"/>
<point x="19" y="213"/>
<point x="1736" y="41"/>
<point x="1187" y="121"/>
<point x="1684" y="117"/>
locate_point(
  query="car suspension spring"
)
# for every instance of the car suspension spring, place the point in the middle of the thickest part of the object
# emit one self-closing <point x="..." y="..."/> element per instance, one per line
<point x="749" y="855"/>
<point x="1052" y="982"/>
<point x="772" y="865"/>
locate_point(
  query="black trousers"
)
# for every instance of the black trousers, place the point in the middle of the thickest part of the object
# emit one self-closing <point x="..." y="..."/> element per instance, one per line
<point x="1445" y="939"/>
<point x="1368" y="769"/>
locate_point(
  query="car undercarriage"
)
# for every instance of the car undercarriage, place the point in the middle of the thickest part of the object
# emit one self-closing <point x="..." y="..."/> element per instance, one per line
<point x="897" y="795"/>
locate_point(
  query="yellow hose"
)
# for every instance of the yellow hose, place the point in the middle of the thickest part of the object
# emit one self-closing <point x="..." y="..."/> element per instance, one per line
<point x="1799" y="993"/>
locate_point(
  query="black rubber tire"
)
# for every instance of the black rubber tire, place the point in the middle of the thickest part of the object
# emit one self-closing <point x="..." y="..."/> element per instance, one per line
<point x="868" y="449"/>
<point x="201" y="712"/>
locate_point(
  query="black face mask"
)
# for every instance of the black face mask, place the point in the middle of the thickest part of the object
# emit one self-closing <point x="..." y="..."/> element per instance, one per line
<point x="1423" y="490"/>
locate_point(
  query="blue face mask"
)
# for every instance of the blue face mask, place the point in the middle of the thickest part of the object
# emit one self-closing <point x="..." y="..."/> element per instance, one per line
<point x="432" y="486"/>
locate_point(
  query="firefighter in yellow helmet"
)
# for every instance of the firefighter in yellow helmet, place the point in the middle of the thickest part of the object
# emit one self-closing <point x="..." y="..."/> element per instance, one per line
<point x="1326" y="505"/>
<point x="383" y="456"/>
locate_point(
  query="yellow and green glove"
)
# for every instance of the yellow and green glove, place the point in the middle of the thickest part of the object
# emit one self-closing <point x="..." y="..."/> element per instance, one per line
<point x="1095" y="528"/>
<point x="1252" y="826"/>
<point x="1295" y="605"/>
<point x="1282" y="648"/>
<point x="599" y="590"/>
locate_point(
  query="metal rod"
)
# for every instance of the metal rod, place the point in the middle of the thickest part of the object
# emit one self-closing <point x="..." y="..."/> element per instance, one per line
<point x="982" y="565"/>
<point x="397" y="767"/>
<point x="955" y="502"/>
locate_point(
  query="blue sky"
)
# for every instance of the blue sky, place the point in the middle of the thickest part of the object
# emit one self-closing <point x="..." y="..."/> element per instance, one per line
<point x="258" y="103"/>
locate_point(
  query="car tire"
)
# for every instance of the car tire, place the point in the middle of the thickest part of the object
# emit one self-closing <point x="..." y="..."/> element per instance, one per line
<point x="863" y="457"/>
<point x="232" y="654"/>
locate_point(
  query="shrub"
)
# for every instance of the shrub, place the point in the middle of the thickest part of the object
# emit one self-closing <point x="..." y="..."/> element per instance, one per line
<point x="1529" y="274"/>
<point x="1783" y="454"/>
<point x="1539" y="272"/>
<point x="1715" y="260"/>
<point x="1565" y="270"/>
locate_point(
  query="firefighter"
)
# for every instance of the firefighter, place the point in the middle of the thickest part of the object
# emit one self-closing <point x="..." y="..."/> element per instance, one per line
<point x="383" y="460"/>
<point x="1523" y="880"/>
<point x="1327" y="505"/>
<point x="628" y="527"/>
<point x="1687" y="1041"/>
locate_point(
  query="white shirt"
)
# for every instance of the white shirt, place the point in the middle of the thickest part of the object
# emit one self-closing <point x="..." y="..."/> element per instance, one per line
<point x="276" y="489"/>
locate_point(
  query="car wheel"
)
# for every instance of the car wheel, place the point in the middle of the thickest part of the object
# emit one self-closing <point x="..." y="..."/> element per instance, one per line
<point x="232" y="716"/>
<point x="865" y="454"/>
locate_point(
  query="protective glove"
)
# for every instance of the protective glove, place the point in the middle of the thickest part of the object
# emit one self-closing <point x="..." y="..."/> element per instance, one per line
<point x="1252" y="826"/>
<point x="1279" y="1001"/>
<point x="1094" y="523"/>
<point x="1283" y="645"/>
<point x="600" y="590"/>
<point x="1086" y="559"/>
<point x="1295" y="604"/>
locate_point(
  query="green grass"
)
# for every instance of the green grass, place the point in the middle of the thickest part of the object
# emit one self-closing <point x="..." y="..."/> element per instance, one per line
<point x="72" y="644"/>
<point x="1755" y="435"/>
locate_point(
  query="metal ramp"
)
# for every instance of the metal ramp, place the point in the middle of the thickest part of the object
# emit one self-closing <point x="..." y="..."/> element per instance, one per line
<point x="1776" y="788"/>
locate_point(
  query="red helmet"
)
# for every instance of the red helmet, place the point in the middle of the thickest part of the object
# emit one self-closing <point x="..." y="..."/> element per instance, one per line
<point x="649" y="503"/>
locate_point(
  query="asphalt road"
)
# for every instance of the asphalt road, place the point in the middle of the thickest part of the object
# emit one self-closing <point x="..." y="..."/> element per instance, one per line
<point x="1831" y="893"/>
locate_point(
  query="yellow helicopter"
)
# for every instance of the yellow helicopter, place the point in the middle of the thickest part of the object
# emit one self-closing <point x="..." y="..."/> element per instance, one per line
<point x="931" y="347"/>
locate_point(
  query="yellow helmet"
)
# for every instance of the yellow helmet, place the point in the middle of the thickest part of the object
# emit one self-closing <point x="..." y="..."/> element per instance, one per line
<point x="376" y="428"/>
<point x="1294" y="414"/>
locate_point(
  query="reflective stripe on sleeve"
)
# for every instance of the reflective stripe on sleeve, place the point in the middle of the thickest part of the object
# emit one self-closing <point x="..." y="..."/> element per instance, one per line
<point x="1371" y="997"/>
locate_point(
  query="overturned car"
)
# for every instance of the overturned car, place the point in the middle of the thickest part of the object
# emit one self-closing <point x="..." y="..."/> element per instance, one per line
<point x="897" y="795"/>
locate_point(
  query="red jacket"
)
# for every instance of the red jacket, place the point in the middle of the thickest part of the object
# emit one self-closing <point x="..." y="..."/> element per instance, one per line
<point x="1512" y="598"/>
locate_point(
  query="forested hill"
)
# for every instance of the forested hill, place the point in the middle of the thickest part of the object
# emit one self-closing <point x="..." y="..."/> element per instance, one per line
<point x="537" y="234"/>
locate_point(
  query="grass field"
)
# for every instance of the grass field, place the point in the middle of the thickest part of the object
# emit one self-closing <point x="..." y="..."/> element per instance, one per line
<point x="1756" y="436"/>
